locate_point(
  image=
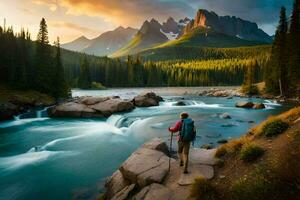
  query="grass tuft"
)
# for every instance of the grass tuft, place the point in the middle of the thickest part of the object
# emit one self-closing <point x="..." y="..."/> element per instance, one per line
<point x="274" y="127"/>
<point x="203" y="189"/>
<point x="251" y="152"/>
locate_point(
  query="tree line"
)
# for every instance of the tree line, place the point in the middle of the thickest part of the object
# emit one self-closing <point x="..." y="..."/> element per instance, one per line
<point x="32" y="65"/>
<point x="283" y="71"/>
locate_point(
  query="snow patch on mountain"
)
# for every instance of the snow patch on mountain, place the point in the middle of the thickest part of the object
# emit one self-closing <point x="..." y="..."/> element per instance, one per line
<point x="171" y="36"/>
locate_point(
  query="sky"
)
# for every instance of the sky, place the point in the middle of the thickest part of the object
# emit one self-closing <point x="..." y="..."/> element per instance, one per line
<point x="70" y="19"/>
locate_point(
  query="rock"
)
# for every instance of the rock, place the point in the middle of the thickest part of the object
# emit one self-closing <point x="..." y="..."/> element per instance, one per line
<point x="8" y="110"/>
<point x="225" y="116"/>
<point x="259" y="106"/>
<point x="244" y="105"/>
<point x="115" y="184"/>
<point x="205" y="171"/>
<point x="72" y="109"/>
<point x="203" y="156"/>
<point x="180" y="103"/>
<point x="123" y="194"/>
<point x="206" y="146"/>
<point x="147" y="100"/>
<point x="106" y="108"/>
<point x="251" y="122"/>
<point x="92" y="100"/>
<point x="222" y="176"/>
<point x="153" y="192"/>
<point x="145" y="166"/>
<point x="157" y="144"/>
<point x="224" y="141"/>
<point x="228" y="125"/>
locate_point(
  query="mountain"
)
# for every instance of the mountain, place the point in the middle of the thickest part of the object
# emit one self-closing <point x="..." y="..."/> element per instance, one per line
<point x="229" y="25"/>
<point x="152" y="33"/>
<point x="103" y="45"/>
<point x="77" y="45"/>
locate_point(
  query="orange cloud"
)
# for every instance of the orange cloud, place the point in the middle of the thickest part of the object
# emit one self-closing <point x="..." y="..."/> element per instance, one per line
<point x="68" y="25"/>
<point x="125" y="12"/>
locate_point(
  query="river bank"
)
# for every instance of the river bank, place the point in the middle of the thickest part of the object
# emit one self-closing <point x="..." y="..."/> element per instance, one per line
<point x="218" y="173"/>
<point x="74" y="156"/>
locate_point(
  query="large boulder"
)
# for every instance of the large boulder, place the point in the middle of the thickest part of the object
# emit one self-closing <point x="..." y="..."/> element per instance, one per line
<point x="153" y="192"/>
<point x="92" y="100"/>
<point x="8" y="110"/>
<point x="147" y="100"/>
<point x="112" y="106"/>
<point x="244" y="105"/>
<point x="145" y="166"/>
<point x="72" y="109"/>
<point x="115" y="184"/>
<point x="225" y="116"/>
<point x="157" y="144"/>
<point x="124" y="193"/>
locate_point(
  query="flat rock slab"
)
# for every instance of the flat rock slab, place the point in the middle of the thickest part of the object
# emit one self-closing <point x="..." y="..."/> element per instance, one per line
<point x="195" y="171"/>
<point x="154" y="192"/>
<point x="145" y="166"/>
<point x="203" y="156"/>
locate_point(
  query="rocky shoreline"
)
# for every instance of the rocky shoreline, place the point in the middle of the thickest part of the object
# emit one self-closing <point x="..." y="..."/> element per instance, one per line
<point x="145" y="174"/>
<point x="92" y="107"/>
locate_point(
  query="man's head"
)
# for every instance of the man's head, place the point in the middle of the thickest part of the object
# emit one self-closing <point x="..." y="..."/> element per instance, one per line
<point x="184" y="115"/>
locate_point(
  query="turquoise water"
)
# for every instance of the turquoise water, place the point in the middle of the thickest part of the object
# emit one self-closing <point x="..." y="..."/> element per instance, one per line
<point x="43" y="158"/>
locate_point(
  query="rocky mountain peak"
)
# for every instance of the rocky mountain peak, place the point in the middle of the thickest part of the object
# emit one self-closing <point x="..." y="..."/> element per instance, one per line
<point x="229" y="25"/>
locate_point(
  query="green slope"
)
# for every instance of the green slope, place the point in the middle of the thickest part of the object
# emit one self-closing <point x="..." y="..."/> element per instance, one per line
<point x="201" y="43"/>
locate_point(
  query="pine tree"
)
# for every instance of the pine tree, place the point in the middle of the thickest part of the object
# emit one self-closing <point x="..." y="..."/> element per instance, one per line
<point x="276" y="75"/>
<point x="84" y="80"/>
<point x="60" y="88"/>
<point x="294" y="48"/>
<point x="43" y="61"/>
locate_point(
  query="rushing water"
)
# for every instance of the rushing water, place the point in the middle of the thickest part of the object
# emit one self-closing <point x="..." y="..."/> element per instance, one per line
<point x="43" y="158"/>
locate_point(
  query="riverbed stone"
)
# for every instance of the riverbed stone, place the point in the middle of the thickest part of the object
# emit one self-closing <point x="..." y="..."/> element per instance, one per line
<point x="92" y="100"/>
<point x="71" y="109"/>
<point x="225" y="116"/>
<point x="111" y="106"/>
<point x="124" y="193"/>
<point x="153" y="192"/>
<point x="145" y="166"/>
<point x="157" y="144"/>
<point x="259" y="106"/>
<point x="147" y="100"/>
<point x="115" y="184"/>
<point x="244" y="104"/>
<point x="8" y="110"/>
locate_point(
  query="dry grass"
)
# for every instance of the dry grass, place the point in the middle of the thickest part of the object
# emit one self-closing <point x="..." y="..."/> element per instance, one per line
<point x="288" y="117"/>
<point x="202" y="189"/>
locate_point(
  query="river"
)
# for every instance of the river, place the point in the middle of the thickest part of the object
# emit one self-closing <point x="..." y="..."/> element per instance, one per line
<point x="43" y="158"/>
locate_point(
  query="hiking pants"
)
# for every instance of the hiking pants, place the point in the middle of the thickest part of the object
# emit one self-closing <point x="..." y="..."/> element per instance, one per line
<point x="183" y="153"/>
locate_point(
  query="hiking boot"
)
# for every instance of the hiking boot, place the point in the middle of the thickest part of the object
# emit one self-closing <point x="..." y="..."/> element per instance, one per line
<point x="185" y="172"/>
<point x="181" y="164"/>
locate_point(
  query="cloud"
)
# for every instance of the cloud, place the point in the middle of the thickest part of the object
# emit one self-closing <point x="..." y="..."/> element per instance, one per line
<point x="124" y="12"/>
<point x="135" y="12"/>
<point x="68" y="25"/>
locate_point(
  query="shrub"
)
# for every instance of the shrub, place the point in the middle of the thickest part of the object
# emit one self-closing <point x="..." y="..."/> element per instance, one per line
<point x="250" y="152"/>
<point x="252" y="189"/>
<point x="250" y="89"/>
<point x="221" y="151"/>
<point x="98" y="86"/>
<point x="275" y="127"/>
<point x="203" y="189"/>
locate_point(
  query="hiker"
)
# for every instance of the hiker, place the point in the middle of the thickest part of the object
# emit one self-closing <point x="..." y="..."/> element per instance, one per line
<point x="187" y="134"/>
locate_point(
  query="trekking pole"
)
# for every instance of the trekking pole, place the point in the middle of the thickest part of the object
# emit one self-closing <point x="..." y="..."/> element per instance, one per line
<point x="170" y="153"/>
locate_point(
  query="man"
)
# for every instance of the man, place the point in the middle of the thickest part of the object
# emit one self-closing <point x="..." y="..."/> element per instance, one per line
<point x="187" y="134"/>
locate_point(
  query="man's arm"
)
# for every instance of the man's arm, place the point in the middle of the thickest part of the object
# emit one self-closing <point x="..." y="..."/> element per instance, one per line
<point x="176" y="128"/>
